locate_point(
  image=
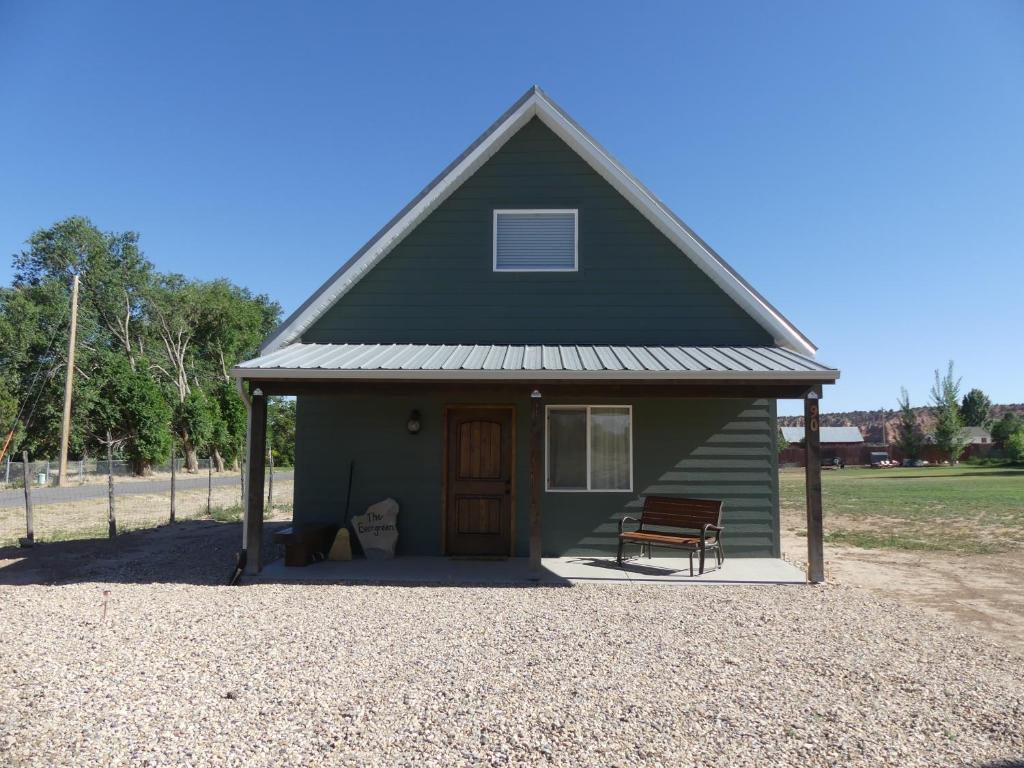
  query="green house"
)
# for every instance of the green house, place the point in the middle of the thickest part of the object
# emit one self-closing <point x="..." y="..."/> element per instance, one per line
<point x="527" y="349"/>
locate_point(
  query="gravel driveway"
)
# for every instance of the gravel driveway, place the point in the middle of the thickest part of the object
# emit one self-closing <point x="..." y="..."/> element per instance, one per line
<point x="294" y="675"/>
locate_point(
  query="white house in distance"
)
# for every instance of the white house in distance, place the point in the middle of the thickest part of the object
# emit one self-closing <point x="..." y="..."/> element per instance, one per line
<point x="829" y="435"/>
<point x="978" y="435"/>
<point x="973" y="436"/>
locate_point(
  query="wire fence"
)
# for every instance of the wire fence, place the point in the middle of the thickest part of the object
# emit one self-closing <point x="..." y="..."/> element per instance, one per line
<point x="98" y="499"/>
<point x="46" y="471"/>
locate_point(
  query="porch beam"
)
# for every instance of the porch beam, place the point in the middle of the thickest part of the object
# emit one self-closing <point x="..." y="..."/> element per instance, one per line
<point x="255" y="468"/>
<point x="552" y="389"/>
<point x="536" y="478"/>
<point x="815" y="529"/>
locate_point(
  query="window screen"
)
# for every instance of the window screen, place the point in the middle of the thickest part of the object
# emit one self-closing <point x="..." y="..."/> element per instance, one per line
<point x="535" y="241"/>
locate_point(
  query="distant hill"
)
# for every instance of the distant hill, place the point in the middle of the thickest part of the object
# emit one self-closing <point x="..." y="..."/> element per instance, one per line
<point x="870" y="422"/>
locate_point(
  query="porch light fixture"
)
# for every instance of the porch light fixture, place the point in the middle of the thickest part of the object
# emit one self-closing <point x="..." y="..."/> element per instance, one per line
<point x="413" y="424"/>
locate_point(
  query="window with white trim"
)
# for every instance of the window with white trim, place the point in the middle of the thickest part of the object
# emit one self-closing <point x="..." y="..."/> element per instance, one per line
<point x="536" y="240"/>
<point x="589" y="448"/>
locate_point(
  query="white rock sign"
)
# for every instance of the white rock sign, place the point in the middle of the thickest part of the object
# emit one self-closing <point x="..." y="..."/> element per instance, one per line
<point x="378" y="529"/>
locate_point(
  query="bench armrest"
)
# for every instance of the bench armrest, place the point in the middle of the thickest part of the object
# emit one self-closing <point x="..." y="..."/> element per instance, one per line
<point x="710" y="527"/>
<point x="634" y="519"/>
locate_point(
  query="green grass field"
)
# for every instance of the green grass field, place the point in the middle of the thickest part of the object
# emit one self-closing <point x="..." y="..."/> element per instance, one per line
<point x="965" y="508"/>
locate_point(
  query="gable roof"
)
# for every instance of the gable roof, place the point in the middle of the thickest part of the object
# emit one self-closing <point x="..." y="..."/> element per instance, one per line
<point x="535" y="103"/>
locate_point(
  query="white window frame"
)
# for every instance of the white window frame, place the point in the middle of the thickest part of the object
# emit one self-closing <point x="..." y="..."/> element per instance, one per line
<point x="547" y="447"/>
<point x="575" y="237"/>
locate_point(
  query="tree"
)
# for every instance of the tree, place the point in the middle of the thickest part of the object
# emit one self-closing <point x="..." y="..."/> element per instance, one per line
<point x="229" y="431"/>
<point x="1006" y="426"/>
<point x="33" y="323"/>
<point x="202" y="329"/>
<point x="909" y="437"/>
<point x="180" y="335"/>
<point x="1015" y="447"/>
<point x="975" y="408"/>
<point x="281" y="426"/>
<point x="949" y="426"/>
<point x="783" y="443"/>
<point x="131" y="409"/>
<point x="195" y="422"/>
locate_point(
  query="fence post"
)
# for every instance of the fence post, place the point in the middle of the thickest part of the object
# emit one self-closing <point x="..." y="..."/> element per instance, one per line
<point x="270" y="485"/>
<point x="30" y="535"/>
<point x="173" y="478"/>
<point x="7" y="476"/>
<point x="209" y="485"/>
<point x="111" y="517"/>
<point x="81" y="470"/>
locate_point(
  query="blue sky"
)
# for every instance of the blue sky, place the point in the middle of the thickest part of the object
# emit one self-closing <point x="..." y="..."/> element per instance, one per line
<point x="862" y="164"/>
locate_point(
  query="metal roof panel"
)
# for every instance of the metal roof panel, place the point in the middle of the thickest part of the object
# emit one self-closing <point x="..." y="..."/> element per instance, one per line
<point x="493" y="360"/>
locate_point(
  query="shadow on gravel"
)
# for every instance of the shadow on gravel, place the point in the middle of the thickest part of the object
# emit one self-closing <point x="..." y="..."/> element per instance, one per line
<point x="1003" y="764"/>
<point x="200" y="552"/>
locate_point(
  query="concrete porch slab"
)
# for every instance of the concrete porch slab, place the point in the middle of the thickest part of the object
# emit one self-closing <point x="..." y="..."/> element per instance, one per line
<point x="556" y="571"/>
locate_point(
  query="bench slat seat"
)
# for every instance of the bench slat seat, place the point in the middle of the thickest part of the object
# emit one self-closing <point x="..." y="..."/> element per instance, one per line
<point x="660" y="538"/>
<point x="696" y="523"/>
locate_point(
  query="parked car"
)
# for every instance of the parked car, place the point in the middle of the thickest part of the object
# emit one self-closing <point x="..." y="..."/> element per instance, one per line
<point x="882" y="460"/>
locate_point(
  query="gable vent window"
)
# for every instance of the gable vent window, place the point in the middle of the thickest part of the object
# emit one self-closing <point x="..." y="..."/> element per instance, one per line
<point x="535" y="241"/>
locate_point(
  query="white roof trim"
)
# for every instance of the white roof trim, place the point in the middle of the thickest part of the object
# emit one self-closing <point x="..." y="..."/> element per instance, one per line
<point x="535" y="103"/>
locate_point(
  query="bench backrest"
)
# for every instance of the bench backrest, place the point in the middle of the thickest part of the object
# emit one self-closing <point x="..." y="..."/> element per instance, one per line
<point x="676" y="512"/>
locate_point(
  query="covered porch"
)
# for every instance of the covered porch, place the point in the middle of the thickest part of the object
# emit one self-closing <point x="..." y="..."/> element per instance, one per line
<point x="526" y="380"/>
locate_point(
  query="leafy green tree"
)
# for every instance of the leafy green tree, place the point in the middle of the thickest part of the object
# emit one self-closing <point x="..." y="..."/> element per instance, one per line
<point x="202" y="329"/>
<point x="975" y="408"/>
<point x="949" y="426"/>
<point x="183" y="334"/>
<point x="229" y="433"/>
<point x="195" y="421"/>
<point x="909" y="437"/>
<point x="1006" y="426"/>
<point x="281" y="426"/>
<point x="34" y="321"/>
<point x="783" y="443"/>
<point x="130" y="406"/>
<point x="1015" y="447"/>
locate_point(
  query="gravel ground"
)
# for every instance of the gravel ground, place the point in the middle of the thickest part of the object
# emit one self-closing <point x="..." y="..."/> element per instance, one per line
<point x="190" y="674"/>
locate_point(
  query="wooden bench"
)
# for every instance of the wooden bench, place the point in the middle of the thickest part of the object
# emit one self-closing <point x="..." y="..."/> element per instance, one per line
<point x="696" y="523"/>
<point x="305" y="543"/>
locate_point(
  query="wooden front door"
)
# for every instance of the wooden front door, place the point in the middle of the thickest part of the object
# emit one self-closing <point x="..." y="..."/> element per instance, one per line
<point x="479" y="477"/>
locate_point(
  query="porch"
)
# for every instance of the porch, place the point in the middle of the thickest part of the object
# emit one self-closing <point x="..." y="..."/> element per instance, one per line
<point x="553" y="571"/>
<point x="705" y="428"/>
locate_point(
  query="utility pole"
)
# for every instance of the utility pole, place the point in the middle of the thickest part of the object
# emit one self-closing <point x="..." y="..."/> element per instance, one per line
<point x="69" y="379"/>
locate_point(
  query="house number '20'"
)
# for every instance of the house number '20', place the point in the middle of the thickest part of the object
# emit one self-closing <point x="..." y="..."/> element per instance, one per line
<point x="814" y="417"/>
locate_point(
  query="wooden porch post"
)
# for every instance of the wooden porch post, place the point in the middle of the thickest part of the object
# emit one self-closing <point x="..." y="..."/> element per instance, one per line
<point x="254" y="489"/>
<point x="815" y="530"/>
<point x="536" y="478"/>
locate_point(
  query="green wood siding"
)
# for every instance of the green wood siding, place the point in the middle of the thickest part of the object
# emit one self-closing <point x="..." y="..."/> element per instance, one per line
<point x="633" y="286"/>
<point x="722" y="449"/>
